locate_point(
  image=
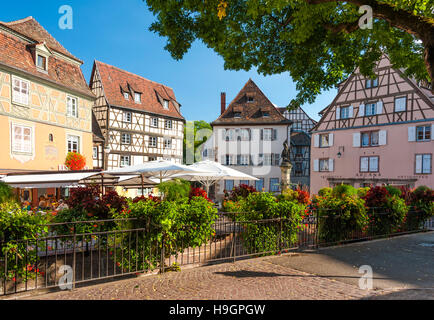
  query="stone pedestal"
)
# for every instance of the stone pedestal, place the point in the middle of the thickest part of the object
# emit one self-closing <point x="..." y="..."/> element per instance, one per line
<point x="285" y="168"/>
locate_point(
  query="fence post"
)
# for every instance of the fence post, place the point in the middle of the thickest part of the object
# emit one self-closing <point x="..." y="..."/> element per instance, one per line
<point x="74" y="261"/>
<point x="280" y="232"/>
<point x="234" y="239"/>
<point x="317" y="228"/>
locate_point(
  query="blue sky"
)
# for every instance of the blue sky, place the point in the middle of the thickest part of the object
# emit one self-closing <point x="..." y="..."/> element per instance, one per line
<point x="116" y="32"/>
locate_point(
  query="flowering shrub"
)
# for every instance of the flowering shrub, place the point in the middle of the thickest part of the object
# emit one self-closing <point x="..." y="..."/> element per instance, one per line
<point x="341" y="214"/>
<point x="199" y="192"/>
<point x="298" y="195"/>
<point x="242" y="191"/>
<point x="270" y="236"/>
<point x="75" y="161"/>
<point x="16" y="224"/>
<point x="176" y="189"/>
<point x="422" y="201"/>
<point x="376" y="196"/>
<point x="232" y="206"/>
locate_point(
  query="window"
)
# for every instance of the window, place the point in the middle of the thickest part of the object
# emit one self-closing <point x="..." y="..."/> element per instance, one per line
<point x="259" y="184"/>
<point x="71" y="106"/>
<point x="324" y="165"/>
<point x="20" y="91"/>
<point x="265" y="114"/>
<point x="168" y="143"/>
<point x="237" y="114"/>
<point x="243" y="160"/>
<point x="229" y="185"/>
<point x="370" y="139"/>
<point x="125" y="161"/>
<point x="95" y="153"/>
<point x="228" y="134"/>
<point x="126" y="138"/>
<point x="137" y="97"/>
<point x="369" y="164"/>
<point x="22" y="139"/>
<point x="229" y="160"/>
<point x="371" y="83"/>
<point x="73" y="143"/>
<point x="423" y="133"/>
<point x="267" y="134"/>
<point x="267" y="160"/>
<point x="246" y="182"/>
<point x="126" y="96"/>
<point x="274" y="185"/>
<point x="154" y="122"/>
<point x="50" y="137"/>
<point x="250" y="99"/>
<point x="345" y="112"/>
<point x="41" y="62"/>
<point x="153" y="142"/>
<point x="127" y="116"/>
<point x="423" y="163"/>
<point x="245" y="134"/>
<point x="298" y="168"/>
<point x="166" y="104"/>
<point x="168" y="124"/>
<point x="371" y="109"/>
<point x="400" y="104"/>
<point x="324" y="140"/>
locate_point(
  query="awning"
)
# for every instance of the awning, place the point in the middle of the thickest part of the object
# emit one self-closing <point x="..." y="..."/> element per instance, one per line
<point x="58" y="179"/>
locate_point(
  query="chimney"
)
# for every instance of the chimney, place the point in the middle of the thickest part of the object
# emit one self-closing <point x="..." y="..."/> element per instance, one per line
<point x="223" y="102"/>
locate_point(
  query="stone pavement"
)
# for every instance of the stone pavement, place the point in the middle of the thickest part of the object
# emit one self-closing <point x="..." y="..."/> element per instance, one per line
<point x="255" y="279"/>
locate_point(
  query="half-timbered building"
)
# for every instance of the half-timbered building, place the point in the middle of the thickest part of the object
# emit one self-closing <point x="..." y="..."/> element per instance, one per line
<point x="301" y="126"/>
<point x="376" y="131"/>
<point x="139" y="119"/>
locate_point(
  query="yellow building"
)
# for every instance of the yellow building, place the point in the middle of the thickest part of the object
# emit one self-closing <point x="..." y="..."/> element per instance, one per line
<point x="45" y="103"/>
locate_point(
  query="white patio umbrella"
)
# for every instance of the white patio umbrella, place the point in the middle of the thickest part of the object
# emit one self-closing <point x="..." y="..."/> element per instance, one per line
<point x="211" y="172"/>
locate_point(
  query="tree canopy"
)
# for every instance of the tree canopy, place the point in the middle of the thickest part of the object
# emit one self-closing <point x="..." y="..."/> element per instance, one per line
<point x="195" y="134"/>
<point x="319" y="42"/>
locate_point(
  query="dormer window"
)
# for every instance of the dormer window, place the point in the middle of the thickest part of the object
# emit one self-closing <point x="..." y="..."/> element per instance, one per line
<point x="137" y="97"/>
<point x="166" y="104"/>
<point x="250" y="99"/>
<point x="265" y="114"/>
<point x="237" y="114"/>
<point x="126" y="96"/>
<point x="41" y="62"/>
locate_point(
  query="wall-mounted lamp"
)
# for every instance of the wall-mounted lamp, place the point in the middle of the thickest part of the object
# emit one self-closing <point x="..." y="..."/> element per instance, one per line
<point x="340" y="152"/>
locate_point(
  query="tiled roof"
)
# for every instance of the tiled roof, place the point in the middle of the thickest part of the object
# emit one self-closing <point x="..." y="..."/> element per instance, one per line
<point x="300" y="139"/>
<point x="96" y="130"/>
<point x="251" y="112"/>
<point x="116" y="81"/>
<point x="16" y="53"/>
<point x="30" y="28"/>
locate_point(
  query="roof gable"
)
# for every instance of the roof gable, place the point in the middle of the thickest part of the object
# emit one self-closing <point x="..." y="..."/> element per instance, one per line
<point x="116" y="82"/>
<point x="251" y="106"/>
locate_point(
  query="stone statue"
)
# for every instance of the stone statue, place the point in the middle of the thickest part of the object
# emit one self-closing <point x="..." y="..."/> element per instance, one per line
<point x="286" y="153"/>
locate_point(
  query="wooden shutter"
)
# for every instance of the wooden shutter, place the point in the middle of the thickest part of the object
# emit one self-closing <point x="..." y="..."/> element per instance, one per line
<point x="380" y="107"/>
<point x="316" y="165"/>
<point x="316" y="141"/>
<point x="432" y="132"/>
<point x="262" y="134"/>
<point x="361" y="110"/>
<point x="411" y="133"/>
<point x="382" y="138"/>
<point x="338" y="113"/>
<point x="331" y="139"/>
<point x="419" y="163"/>
<point x="331" y="165"/>
<point x="274" y="134"/>
<point x="350" y="111"/>
<point x="356" y="139"/>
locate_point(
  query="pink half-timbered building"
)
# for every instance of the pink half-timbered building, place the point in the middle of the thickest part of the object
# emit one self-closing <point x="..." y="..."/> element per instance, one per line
<point x="376" y="131"/>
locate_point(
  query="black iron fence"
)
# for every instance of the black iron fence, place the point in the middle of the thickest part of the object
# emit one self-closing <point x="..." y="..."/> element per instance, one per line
<point x="66" y="255"/>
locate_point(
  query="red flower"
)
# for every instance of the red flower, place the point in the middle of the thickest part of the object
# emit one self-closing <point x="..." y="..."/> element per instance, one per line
<point x="75" y="161"/>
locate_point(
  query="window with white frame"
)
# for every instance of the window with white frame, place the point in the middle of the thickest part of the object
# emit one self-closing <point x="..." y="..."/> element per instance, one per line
<point x="168" y="124"/>
<point x="274" y="185"/>
<point x="166" y="104"/>
<point x="154" y="122"/>
<point x="71" y="106"/>
<point x="324" y="165"/>
<point x="400" y="104"/>
<point x="423" y="164"/>
<point x="167" y="143"/>
<point x="369" y="164"/>
<point x="345" y="112"/>
<point x="259" y="184"/>
<point x="126" y="96"/>
<point x="267" y="159"/>
<point x="267" y="134"/>
<point x="324" y="140"/>
<point x="73" y="143"/>
<point x="243" y="160"/>
<point x="126" y="138"/>
<point x="22" y="139"/>
<point x="371" y="83"/>
<point x="423" y="133"/>
<point x="125" y="161"/>
<point x="229" y="185"/>
<point x="229" y="160"/>
<point x="127" y="116"/>
<point x="370" y="109"/>
<point x="137" y="97"/>
<point x="153" y="142"/>
<point x="20" y="91"/>
<point x="41" y="62"/>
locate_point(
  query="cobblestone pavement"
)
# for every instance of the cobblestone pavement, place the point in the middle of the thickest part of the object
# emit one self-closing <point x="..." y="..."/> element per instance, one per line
<point x="255" y="279"/>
